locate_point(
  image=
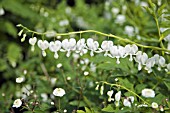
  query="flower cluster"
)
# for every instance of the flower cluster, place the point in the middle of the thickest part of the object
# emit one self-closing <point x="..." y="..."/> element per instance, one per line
<point x="107" y="47"/>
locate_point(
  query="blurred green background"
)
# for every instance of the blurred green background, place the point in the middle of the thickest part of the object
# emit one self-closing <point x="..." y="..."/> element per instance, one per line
<point x="125" y="18"/>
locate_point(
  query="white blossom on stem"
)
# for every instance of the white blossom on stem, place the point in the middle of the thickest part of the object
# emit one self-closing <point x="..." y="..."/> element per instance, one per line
<point x="92" y="45"/>
<point x="69" y="45"/>
<point x="106" y="46"/>
<point x="43" y="45"/>
<point x="55" y="47"/>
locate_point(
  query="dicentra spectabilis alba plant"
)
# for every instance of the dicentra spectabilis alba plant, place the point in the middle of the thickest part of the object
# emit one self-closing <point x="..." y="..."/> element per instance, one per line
<point x="108" y="48"/>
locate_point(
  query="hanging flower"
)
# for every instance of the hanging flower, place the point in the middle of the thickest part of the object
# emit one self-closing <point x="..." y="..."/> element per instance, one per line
<point x="141" y="59"/>
<point x="148" y="93"/>
<point x="118" y="52"/>
<point x="92" y="45"/>
<point x="106" y="46"/>
<point x="80" y="47"/>
<point x="149" y="64"/>
<point x="110" y="93"/>
<point x="117" y="96"/>
<point x="17" y="103"/>
<point x="131" y="50"/>
<point x="128" y="101"/>
<point x="55" y="47"/>
<point x="59" y="92"/>
<point x="69" y="45"/>
<point x="32" y="41"/>
<point x="43" y="45"/>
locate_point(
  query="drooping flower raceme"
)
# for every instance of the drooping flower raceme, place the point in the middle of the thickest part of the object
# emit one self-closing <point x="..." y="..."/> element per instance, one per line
<point x="55" y="47"/>
<point x="69" y="45"/>
<point x="17" y="103"/>
<point x="92" y="45"/>
<point x="148" y="93"/>
<point x="128" y="101"/>
<point x="43" y="45"/>
<point x="32" y="41"/>
<point x="59" y="92"/>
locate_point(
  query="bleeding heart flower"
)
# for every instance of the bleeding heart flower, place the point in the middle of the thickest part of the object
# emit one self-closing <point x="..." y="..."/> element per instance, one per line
<point x="43" y="45"/>
<point x="92" y="45"/>
<point x="55" y="47"/>
<point x="69" y="45"/>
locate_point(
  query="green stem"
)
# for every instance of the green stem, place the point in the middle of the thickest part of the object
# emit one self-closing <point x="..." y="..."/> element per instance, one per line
<point x="118" y="85"/>
<point x="104" y="34"/>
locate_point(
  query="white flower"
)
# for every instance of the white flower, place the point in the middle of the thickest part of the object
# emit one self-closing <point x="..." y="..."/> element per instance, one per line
<point x="32" y="41"/>
<point x="117" y="96"/>
<point x="115" y="11"/>
<point x="69" y="45"/>
<point x="154" y="105"/>
<point x="20" y="79"/>
<point x="118" y="52"/>
<point x="148" y="93"/>
<point x="55" y="47"/>
<point x="120" y="19"/>
<point x="59" y="92"/>
<point x="131" y="50"/>
<point x="86" y="73"/>
<point x="52" y="103"/>
<point x="2" y="12"/>
<point x="97" y="87"/>
<point x="44" y="97"/>
<point x="92" y="45"/>
<point x="110" y="93"/>
<point x="106" y="46"/>
<point x="128" y="101"/>
<point x="43" y="45"/>
<point x="59" y="65"/>
<point x="80" y="47"/>
<point x="141" y="59"/>
<point x="149" y="64"/>
<point x="129" y="30"/>
<point x="101" y="90"/>
<point x="17" y="103"/>
<point x="168" y="67"/>
<point x="142" y="105"/>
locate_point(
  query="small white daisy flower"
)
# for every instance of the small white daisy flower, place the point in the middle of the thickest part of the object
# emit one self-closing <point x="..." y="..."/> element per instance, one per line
<point x="59" y="92"/>
<point x="17" y="103"/>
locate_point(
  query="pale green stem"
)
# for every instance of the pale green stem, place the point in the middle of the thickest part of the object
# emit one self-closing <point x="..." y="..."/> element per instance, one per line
<point x="104" y="34"/>
<point x="123" y="87"/>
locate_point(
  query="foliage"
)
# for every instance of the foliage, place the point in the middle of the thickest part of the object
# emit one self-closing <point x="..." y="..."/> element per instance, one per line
<point x="144" y="23"/>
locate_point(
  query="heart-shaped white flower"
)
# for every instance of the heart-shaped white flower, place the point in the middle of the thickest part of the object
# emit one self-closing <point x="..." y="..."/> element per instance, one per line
<point x="32" y="41"/>
<point x="55" y="46"/>
<point x="92" y="45"/>
<point x="69" y="45"/>
<point x="43" y="45"/>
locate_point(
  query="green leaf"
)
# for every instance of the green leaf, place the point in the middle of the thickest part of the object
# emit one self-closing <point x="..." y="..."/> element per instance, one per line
<point x="167" y="85"/>
<point x="13" y="54"/>
<point x="80" y="111"/>
<point x="76" y="102"/>
<point x="8" y="27"/>
<point x="161" y="9"/>
<point x="44" y="106"/>
<point x="88" y="110"/>
<point x="109" y="108"/>
<point x="166" y="33"/>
